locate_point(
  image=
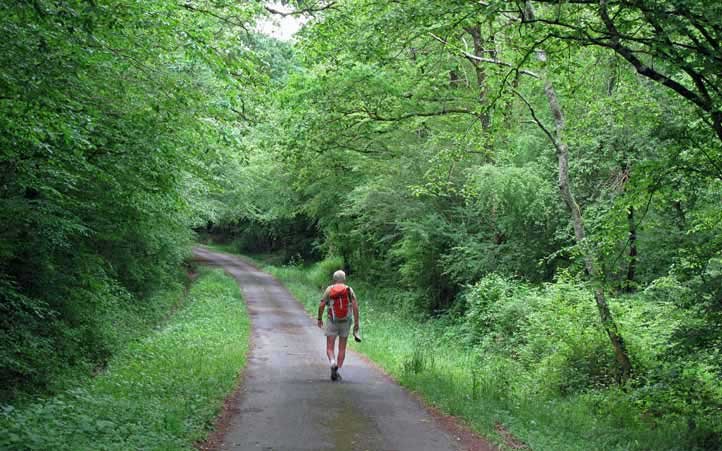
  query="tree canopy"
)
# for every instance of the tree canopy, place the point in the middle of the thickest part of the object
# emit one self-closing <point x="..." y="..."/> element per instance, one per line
<point x="476" y="155"/>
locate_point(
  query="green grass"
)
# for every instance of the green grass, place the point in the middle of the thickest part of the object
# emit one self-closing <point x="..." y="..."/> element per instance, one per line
<point x="160" y="393"/>
<point x="485" y="391"/>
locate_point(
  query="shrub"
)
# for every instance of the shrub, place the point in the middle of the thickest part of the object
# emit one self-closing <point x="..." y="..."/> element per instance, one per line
<point x="322" y="273"/>
<point x="687" y="392"/>
<point x="553" y="331"/>
<point x="496" y="310"/>
<point x="564" y="329"/>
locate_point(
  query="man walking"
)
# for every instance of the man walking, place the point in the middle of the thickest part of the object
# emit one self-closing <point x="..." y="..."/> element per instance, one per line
<point x="340" y="300"/>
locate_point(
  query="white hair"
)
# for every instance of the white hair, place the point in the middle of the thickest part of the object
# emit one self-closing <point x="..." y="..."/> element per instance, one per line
<point x="339" y="276"/>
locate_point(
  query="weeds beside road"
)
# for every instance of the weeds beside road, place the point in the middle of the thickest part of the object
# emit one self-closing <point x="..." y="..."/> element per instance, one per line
<point x="162" y="392"/>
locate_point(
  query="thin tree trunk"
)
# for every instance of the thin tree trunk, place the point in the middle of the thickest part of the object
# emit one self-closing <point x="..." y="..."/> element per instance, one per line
<point x="681" y="217"/>
<point x="632" y="268"/>
<point x="475" y="32"/>
<point x="608" y="323"/>
<point x="562" y="151"/>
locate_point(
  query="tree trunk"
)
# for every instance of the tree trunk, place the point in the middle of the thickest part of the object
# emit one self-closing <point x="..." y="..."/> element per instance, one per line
<point x="557" y="138"/>
<point x="632" y="268"/>
<point x="681" y="216"/>
<point x="475" y="32"/>
<point x="608" y="323"/>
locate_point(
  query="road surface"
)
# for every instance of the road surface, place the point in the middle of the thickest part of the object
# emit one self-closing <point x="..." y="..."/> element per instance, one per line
<point x="288" y="401"/>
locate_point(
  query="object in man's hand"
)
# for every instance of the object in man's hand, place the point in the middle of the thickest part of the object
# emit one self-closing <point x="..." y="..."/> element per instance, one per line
<point x="356" y="337"/>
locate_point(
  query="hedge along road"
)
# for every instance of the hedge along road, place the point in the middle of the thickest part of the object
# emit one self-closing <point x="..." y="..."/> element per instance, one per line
<point x="289" y="402"/>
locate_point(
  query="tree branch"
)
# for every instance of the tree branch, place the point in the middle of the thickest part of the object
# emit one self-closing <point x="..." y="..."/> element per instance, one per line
<point x="615" y="44"/>
<point x="299" y="12"/>
<point x="228" y="20"/>
<point x="375" y="116"/>
<point x="475" y="58"/>
<point x="536" y="119"/>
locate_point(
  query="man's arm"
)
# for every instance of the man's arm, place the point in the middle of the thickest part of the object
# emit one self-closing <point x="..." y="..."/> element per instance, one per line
<point x="354" y="306"/>
<point x="321" y="307"/>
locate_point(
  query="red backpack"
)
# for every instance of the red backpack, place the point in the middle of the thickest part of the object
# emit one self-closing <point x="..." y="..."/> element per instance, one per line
<point x="340" y="299"/>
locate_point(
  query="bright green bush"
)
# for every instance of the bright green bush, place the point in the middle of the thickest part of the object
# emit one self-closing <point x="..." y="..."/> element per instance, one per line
<point x="492" y="311"/>
<point x="322" y="273"/>
<point x="552" y="331"/>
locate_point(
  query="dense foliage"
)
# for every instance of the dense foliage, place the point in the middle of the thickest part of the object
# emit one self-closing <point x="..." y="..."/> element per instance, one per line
<point x="539" y="180"/>
<point x="110" y="116"/>
<point x="547" y="174"/>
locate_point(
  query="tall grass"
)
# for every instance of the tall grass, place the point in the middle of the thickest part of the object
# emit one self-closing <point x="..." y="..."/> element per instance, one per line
<point x="160" y="393"/>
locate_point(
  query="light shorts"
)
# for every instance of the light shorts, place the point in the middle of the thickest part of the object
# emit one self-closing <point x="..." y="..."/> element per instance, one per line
<point x="338" y="328"/>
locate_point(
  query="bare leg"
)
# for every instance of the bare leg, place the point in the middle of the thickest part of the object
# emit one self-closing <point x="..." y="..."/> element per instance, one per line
<point x="341" y="350"/>
<point x="330" y="345"/>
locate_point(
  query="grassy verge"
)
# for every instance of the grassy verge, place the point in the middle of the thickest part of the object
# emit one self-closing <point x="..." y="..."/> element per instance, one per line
<point x="494" y="396"/>
<point x="160" y="393"/>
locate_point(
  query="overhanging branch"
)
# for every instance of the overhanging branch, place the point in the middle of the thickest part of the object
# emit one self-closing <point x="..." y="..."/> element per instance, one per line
<point x="300" y="12"/>
<point x="444" y="111"/>
<point x="479" y="59"/>
<point x="536" y="119"/>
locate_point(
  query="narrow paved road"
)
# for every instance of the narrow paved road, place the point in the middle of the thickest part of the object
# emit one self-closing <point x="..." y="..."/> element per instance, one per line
<point x="288" y="401"/>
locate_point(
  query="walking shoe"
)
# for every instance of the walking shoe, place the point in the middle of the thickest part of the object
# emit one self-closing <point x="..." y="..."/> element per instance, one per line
<point x="334" y="372"/>
<point x="338" y="376"/>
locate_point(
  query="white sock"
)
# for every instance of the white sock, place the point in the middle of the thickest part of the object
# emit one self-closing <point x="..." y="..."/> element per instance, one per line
<point x="333" y="362"/>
